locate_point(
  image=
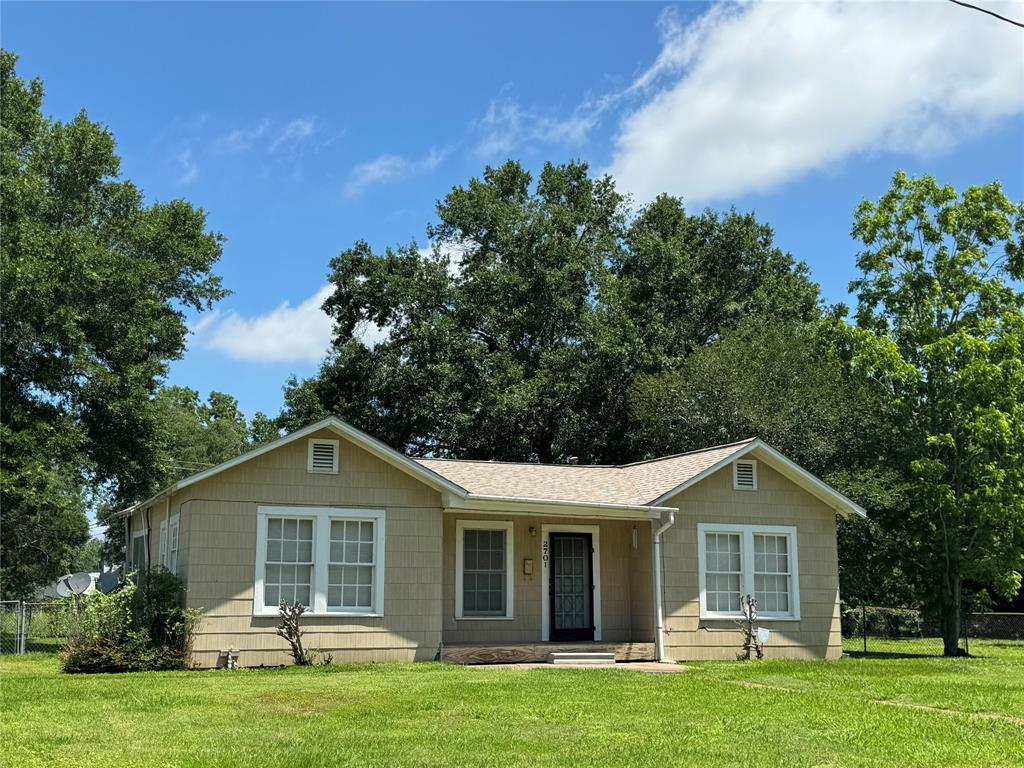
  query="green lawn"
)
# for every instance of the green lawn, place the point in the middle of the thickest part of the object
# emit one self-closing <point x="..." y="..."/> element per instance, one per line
<point x="716" y="714"/>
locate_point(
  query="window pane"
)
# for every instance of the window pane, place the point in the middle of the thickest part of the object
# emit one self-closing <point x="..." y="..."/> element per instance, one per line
<point x="271" y="595"/>
<point x="288" y="551"/>
<point x="274" y="550"/>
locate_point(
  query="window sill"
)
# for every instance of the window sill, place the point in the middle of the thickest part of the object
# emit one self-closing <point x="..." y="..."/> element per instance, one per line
<point x="739" y="617"/>
<point x="485" y="618"/>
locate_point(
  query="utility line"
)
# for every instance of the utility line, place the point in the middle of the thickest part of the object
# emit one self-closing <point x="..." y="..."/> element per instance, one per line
<point x="990" y="13"/>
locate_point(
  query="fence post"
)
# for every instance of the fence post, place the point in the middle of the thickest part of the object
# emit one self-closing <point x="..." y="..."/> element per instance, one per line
<point x="22" y="629"/>
<point x="864" y="626"/>
<point x="967" y="634"/>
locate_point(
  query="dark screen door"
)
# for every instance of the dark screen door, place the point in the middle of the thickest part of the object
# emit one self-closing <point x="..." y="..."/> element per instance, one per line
<point x="572" y="587"/>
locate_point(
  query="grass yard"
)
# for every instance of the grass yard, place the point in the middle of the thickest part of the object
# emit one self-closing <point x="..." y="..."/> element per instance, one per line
<point x="947" y="712"/>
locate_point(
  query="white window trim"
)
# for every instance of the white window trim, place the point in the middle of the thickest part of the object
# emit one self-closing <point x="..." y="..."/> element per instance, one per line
<point x="735" y="474"/>
<point x="173" y="522"/>
<point x="309" y="456"/>
<point x="747" y="565"/>
<point x="461" y="526"/>
<point x="321" y="517"/>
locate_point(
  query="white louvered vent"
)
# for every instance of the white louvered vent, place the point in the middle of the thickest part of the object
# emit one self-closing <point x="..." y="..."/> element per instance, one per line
<point x="323" y="456"/>
<point x="744" y="475"/>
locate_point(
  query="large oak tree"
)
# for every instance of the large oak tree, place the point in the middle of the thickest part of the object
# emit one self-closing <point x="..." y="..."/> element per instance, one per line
<point x="518" y="334"/>
<point x="95" y="284"/>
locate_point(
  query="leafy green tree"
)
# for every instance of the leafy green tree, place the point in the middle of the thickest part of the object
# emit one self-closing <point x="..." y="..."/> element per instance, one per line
<point x="87" y="557"/>
<point x="94" y="285"/>
<point x="519" y="333"/>
<point x="782" y="382"/>
<point x="941" y="328"/>
<point x="194" y="435"/>
<point x="262" y="429"/>
<point x="683" y="278"/>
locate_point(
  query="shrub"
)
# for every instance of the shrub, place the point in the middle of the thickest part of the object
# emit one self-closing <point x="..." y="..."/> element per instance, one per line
<point x="137" y="627"/>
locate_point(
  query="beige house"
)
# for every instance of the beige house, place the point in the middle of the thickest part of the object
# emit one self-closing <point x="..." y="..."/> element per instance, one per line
<point x="403" y="559"/>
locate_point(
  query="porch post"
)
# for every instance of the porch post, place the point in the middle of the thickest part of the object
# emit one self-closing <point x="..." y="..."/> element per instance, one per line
<point x="659" y="639"/>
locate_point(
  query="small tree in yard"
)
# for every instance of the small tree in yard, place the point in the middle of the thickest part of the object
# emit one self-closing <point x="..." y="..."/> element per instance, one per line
<point x="941" y="331"/>
<point x="748" y="625"/>
<point x="291" y="631"/>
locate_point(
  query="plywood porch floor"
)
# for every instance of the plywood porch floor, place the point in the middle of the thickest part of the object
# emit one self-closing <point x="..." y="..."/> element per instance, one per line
<point x="539" y="653"/>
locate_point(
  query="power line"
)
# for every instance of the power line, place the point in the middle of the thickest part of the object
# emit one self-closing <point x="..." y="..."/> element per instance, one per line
<point x="990" y="13"/>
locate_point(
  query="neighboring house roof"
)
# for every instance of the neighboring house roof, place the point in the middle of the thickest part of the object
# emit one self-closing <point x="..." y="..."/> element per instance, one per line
<point x="631" y="484"/>
<point x="639" y="487"/>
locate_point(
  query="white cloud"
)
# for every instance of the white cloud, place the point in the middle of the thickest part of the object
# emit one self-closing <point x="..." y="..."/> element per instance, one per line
<point x="293" y="133"/>
<point x="189" y="166"/>
<point x="286" y="334"/>
<point x="389" y="168"/>
<point x="766" y="92"/>
<point x="506" y="126"/>
<point x="243" y="139"/>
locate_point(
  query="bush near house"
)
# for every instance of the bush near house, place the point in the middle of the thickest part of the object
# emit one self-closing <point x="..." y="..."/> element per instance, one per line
<point x="139" y="627"/>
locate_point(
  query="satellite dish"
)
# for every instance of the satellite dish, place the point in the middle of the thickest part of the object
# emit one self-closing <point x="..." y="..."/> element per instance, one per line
<point x="78" y="583"/>
<point x="108" y="582"/>
<point x="62" y="587"/>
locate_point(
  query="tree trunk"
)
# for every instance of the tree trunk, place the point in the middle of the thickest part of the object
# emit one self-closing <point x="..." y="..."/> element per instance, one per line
<point x="951" y="616"/>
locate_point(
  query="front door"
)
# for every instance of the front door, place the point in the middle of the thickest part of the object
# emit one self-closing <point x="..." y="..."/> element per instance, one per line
<point x="572" y="587"/>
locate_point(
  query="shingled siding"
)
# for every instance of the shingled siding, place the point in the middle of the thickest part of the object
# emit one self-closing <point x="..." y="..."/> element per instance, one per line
<point x="626" y="582"/>
<point x="218" y="548"/>
<point x="777" y="501"/>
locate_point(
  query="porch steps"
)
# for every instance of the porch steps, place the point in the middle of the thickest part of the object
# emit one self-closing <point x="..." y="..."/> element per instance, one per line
<point x="541" y="653"/>
<point x="582" y="658"/>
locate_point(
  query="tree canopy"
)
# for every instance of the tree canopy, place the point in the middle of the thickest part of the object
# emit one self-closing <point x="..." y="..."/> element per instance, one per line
<point x="95" y="284"/>
<point x="194" y="435"/>
<point x="941" y="331"/>
<point x="519" y="332"/>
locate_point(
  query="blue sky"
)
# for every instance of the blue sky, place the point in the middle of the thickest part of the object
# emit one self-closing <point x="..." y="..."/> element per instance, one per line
<point x="303" y="127"/>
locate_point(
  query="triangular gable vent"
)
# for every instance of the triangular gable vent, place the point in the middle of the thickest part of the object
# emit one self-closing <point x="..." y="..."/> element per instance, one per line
<point x="744" y="476"/>
<point x="323" y="456"/>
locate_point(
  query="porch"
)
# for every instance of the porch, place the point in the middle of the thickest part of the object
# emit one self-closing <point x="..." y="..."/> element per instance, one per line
<point x="540" y="653"/>
<point x="518" y="588"/>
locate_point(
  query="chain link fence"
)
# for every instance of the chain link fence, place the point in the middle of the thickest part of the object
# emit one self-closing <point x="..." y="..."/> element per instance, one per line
<point x="33" y="627"/>
<point x="886" y="631"/>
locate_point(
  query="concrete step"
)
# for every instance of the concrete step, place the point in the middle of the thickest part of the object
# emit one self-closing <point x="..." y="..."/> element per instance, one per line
<point x="581" y="657"/>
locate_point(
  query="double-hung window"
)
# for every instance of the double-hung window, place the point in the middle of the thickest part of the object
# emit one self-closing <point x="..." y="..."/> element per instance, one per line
<point x="173" y="526"/>
<point x="739" y="560"/>
<point x="329" y="559"/>
<point x="169" y="543"/>
<point x="483" y="569"/>
<point x="140" y="545"/>
<point x="350" y="569"/>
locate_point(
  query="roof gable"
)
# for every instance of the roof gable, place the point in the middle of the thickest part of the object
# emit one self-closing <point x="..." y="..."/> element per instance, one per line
<point x="642" y="485"/>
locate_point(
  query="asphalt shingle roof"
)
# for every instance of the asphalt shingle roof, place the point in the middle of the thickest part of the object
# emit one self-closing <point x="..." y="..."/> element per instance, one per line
<point x="640" y="483"/>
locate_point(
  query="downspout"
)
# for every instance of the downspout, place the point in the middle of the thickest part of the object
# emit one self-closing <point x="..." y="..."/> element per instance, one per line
<point x="659" y="639"/>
